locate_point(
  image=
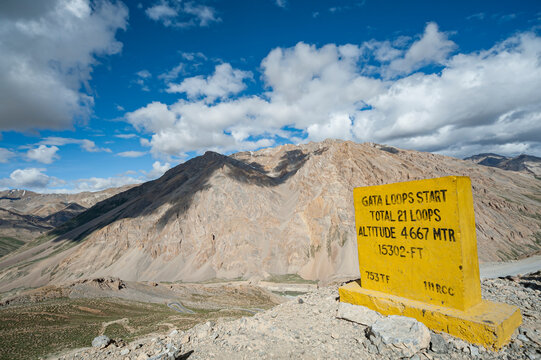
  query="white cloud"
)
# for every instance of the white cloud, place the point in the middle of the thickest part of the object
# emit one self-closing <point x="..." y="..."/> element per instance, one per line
<point x="350" y="5"/>
<point x="481" y="100"/>
<point x="142" y="77"/>
<point x="192" y="56"/>
<point x="281" y="3"/>
<point x="477" y="16"/>
<point x="488" y="96"/>
<point x="158" y="169"/>
<point x="144" y="74"/>
<point x="44" y="154"/>
<point x="224" y="82"/>
<point x="432" y="48"/>
<point x="173" y="73"/>
<point x="125" y="136"/>
<point x="97" y="184"/>
<point x="193" y="60"/>
<point x="6" y="155"/>
<point x="161" y="12"/>
<point x="48" y="53"/>
<point x="131" y="154"/>
<point x="202" y="14"/>
<point x="339" y="126"/>
<point x="85" y="144"/>
<point x="31" y="178"/>
<point x="182" y="14"/>
<point x="36" y="179"/>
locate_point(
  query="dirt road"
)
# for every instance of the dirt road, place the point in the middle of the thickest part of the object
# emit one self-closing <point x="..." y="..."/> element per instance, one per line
<point x="519" y="267"/>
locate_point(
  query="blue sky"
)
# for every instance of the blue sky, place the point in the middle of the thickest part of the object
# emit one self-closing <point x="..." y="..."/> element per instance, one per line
<point x="95" y="94"/>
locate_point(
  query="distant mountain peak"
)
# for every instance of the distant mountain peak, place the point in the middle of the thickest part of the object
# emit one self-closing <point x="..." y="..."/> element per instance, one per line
<point x="524" y="163"/>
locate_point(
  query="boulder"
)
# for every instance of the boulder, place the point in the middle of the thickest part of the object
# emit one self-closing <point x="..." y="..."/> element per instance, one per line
<point x="358" y="314"/>
<point x="403" y="333"/>
<point x="101" y="341"/>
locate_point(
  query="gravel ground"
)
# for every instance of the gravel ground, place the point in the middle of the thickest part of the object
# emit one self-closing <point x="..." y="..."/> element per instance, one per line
<point x="307" y="328"/>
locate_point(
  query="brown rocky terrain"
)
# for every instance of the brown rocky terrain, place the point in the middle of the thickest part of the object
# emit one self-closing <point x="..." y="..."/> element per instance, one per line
<point x="285" y="210"/>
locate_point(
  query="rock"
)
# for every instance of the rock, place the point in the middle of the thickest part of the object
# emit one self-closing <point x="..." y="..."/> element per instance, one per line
<point x="357" y="314"/>
<point x="438" y="344"/>
<point x="202" y="333"/>
<point x="101" y="341"/>
<point x="404" y="333"/>
<point x="185" y="339"/>
<point x="300" y="300"/>
<point x="474" y="351"/>
<point x="125" y="352"/>
<point x="173" y="333"/>
<point x="159" y="356"/>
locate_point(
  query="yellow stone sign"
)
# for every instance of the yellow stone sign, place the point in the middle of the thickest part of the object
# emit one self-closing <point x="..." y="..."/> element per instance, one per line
<point x="418" y="257"/>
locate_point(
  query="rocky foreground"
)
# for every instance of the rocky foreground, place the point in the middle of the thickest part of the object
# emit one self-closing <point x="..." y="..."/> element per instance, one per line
<point x="317" y="326"/>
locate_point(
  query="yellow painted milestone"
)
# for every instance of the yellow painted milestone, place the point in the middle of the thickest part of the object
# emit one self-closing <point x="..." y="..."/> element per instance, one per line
<point x="411" y="242"/>
<point x="418" y="257"/>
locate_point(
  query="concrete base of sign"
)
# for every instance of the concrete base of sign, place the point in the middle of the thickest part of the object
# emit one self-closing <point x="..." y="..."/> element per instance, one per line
<point x="487" y="323"/>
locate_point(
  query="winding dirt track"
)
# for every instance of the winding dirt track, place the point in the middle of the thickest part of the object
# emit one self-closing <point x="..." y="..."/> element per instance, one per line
<point x="179" y="308"/>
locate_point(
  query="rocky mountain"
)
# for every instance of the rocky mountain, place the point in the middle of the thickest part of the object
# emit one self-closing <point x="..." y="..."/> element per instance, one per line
<point x="24" y="214"/>
<point x="524" y="163"/>
<point x="283" y="210"/>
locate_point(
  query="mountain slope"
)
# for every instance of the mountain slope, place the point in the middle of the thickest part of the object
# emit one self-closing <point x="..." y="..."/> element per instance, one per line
<point x="275" y="211"/>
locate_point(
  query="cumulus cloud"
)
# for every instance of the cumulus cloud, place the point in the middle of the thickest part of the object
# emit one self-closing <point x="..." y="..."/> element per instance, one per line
<point x="49" y="49"/>
<point x="43" y="154"/>
<point x="485" y="101"/>
<point x="485" y="97"/>
<point x="6" y="155"/>
<point x="30" y="178"/>
<point x="224" y="82"/>
<point x="161" y="12"/>
<point x="158" y="169"/>
<point x="176" y="13"/>
<point x="432" y="48"/>
<point x="85" y="144"/>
